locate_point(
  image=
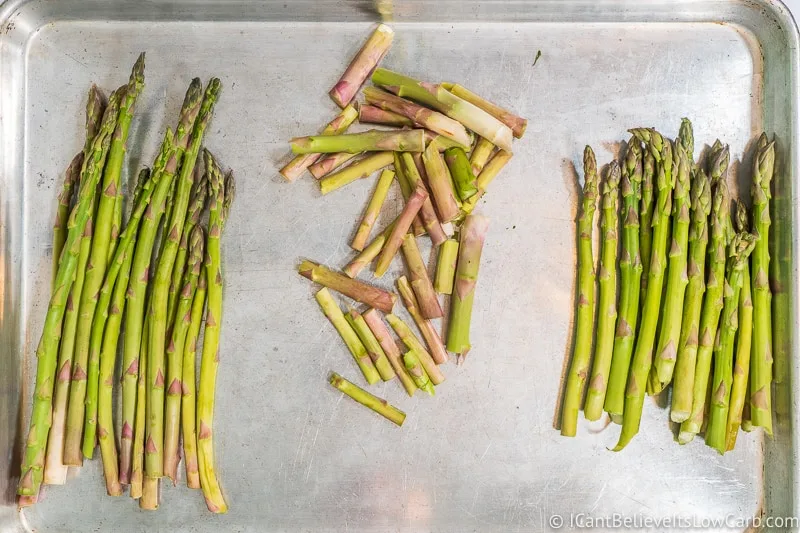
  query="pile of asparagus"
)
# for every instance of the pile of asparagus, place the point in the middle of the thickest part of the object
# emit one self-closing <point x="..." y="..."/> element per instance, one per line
<point x="692" y="305"/>
<point x="450" y="146"/>
<point x="106" y="275"/>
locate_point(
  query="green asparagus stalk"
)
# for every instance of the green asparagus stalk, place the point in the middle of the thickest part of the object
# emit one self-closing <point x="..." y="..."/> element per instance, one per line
<point x="446" y="267"/>
<point x="643" y="352"/>
<point x="406" y="189"/>
<point x="373" y="210"/>
<point x="713" y="298"/>
<point x="461" y="171"/>
<point x="381" y="332"/>
<point x="429" y="333"/>
<point x="116" y="224"/>
<point x="370" y="114"/>
<point x="329" y="163"/>
<point x="417" y="372"/>
<point x="761" y="360"/>
<point x="440" y="184"/>
<point x="371" y="344"/>
<point x="429" y="305"/>
<point x="362" y="168"/>
<point x="149" y="499"/>
<point x="137" y="438"/>
<point x="341" y="122"/>
<point x="646" y="216"/>
<point x="481" y="154"/>
<point x="357" y="290"/>
<point x="607" y="300"/>
<point x="411" y="342"/>
<point x="362" y="65"/>
<point x="188" y="406"/>
<point x="682" y="388"/>
<point x="368" y="141"/>
<point x="427" y="214"/>
<point x="716" y="432"/>
<point x="517" y="124"/>
<point x="487" y="175"/>
<point x="62" y="210"/>
<point x="366" y="399"/>
<point x="395" y="238"/>
<point x="373" y="249"/>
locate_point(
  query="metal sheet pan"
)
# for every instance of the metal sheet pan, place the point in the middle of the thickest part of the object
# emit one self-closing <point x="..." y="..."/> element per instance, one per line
<point x="482" y="455"/>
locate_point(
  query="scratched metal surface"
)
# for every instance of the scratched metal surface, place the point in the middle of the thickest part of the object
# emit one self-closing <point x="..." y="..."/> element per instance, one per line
<point x="482" y="455"/>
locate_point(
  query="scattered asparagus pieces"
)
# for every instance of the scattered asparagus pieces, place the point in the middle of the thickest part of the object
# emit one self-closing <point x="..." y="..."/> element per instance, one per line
<point x="446" y="267"/>
<point x="362" y="65"/>
<point x="517" y="124"/>
<point x="406" y="188"/>
<point x="368" y="141"/>
<point x="480" y="155"/>
<point x="370" y="342"/>
<point x="329" y="163"/>
<point x="418" y="374"/>
<point x="429" y="306"/>
<point x="359" y="262"/>
<point x="441" y="185"/>
<point x="427" y="214"/>
<point x="357" y="290"/>
<point x="359" y="169"/>
<point x="412" y="343"/>
<point x="395" y="238"/>
<point x="373" y="210"/>
<point x="487" y="175"/>
<point x="381" y="332"/>
<point x="370" y="114"/>
<point x="429" y="333"/>
<point x="366" y="399"/>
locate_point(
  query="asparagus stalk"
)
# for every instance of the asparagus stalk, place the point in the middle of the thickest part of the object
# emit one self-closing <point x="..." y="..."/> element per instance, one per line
<point x="646" y="216"/>
<point x="357" y="290"/>
<point x="417" y="372"/>
<point x="440" y="185"/>
<point x="422" y="116"/>
<point x="188" y="406"/>
<point x="373" y="210"/>
<point x="480" y="155"/>
<point x="716" y="432"/>
<point x="149" y="499"/>
<point x="362" y="168"/>
<point x="643" y="352"/>
<point x="370" y="114"/>
<point x="373" y="249"/>
<point x="413" y="343"/>
<point x="395" y="238"/>
<point x="406" y="189"/>
<point x="349" y="336"/>
<point x="712" y="300"/>
<point x="340" y="123"/>
<point x="446" y="267"/>
<point x="487" y="175"/>
<point x="429" y="306"/>
<point x="381" y="332"/>
<point x="429" y="333"/>
<point x="461" y="171"/>
<point x="368" y="141"/>
<point x="607" y="301"/>
<point x="442" y="142"/>
<point x="427" y="214"/>
<point x="362" y="65"/>
<point x="31" y="470"/>
<point x="371" y="344"/>
<point x="329" y="163"/>
<point x="517" y="124"/>
<point x="366" y="399"/>
<point x="116" y="224"/>
<point x="137" y="438"/>
<point x="95" y="110"/>
<point x="220" y="199"/>
<point x="439" y="98"/>
<point x="71" y="178"/>
<point x="693" y="302"/>
<point x="761" y="360"/>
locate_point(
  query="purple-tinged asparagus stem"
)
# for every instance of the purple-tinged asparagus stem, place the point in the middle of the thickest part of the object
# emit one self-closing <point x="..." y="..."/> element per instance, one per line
<point x="441" y="185"/>
<point x="373" y="319"/>
<point x="362" y="65"/>
<point x="370" y="342"/>
<point x="359" y="262"/>
<point x="480" y="155"/>
<point x="427" y="214"/>
<point x="362" y="168"/>
<point x="373" y="210"/>
<point x="395" y="238"/>
<point x="429" y="305"/>
<point x="517" y="124"/>
<point x="379" y="405"/>
<point x="357" y="290"/>
<point x="329" y="163"/>
<point x="367" y="141"/>
<point x="487" y="175"/>
<point x="295" y="168"/>
<point x="446" y="267"/>
<point x="425" y="326"/>
<point x="406" y="188"/>
<point x="371" y="114"/>
<point x="413" y="343"/>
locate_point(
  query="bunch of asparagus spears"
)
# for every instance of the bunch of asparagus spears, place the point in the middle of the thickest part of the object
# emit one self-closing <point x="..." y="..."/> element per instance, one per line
<point x="692" y="305"/>
<point x="105" y="274"/>
<point x="450" y="146"/>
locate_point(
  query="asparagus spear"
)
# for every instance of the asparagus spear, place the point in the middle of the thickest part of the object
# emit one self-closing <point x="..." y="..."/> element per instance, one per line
<point x="417" y="372"/>
<point x="373" y="249"/>
<point x="149" y="499"/>
<point x="693" y="302"/>
<point x="381" y="332"/>
<point x="362" y="65"/>
<point x="137" y="438"/>
<point x="188" y="406"/>
<point x="31" y="470"/>
<point x="359" y="169"/>
<point x="429" y="305"/>
<point x="427" y="214"/>
<point x="116" y="224"/>
<point x="439" y="98"/>
<point x="220" y="199"/>
<point x="329" y="163"/>
<point x="395" y="238"/>
<point x="446" y="267"/>
<point x="341" y="122"/>
<point x="357" y="290"/>
<point x="716" y="432"/>
<point x="62" y="210"/>
<point x="440" y="185"/>
<point x="646" y="216"/>
<point x="371" y="344"/>
<point x="406" y="189"/>
<point x="366" y="399"/>
<point x="480" y="155"/>
<point x="429" y="333"/>
<point x="443" y="142"/>
<point x="370" y="114"/>
<point x="368" y="141"/>
<point x="517" y="124"/>
<point x="643" y="352"/>
<point x="487" y="175"/>
<point x="373" y="210"/>
<point x="422" y="116"/>
<point x="460" y="169"/>
<point x="712" y="300"/>
<point x="412" y="343"/>
<point x="607" y="302"/>
<point x="349" y="336"/>
<point x="677" y="278"/>
<point x="761" y="360"/>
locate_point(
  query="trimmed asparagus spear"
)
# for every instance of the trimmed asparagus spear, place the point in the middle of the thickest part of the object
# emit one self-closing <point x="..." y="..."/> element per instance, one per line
<point x="431" y="120"/>
<point x="368" y="141"/>
<point x="362" y="168"/>
<point x="429" y="333"/>
<point x="395" y="238"/>
<point x="373" y="347"/>
<point x="366" y="399"/>
<point x="716" y="431"/>
<point x="71" y="178"/>
<point x="357" y="290"/>
<point x="712" y="300"/>
<point x="349" y="336"/>
<point x="373" y="210"/>
<point x="480" y="155"/>
<point x="643" y="352"/>
<point x="373" y="249"/>
<point x="517" y="124"/>
<point x="646" y="215"/>
<point x="487" y="175"/>
<point x="188" y="406"/>
<point x="329" y="163"/>
<point x="411" y="342"/>
<point x="381" y="332"/>
<point x="417" y="372"/>
<point x="693" y="302"/>
<point x="370" y="114"/>
<point x="761" y="361"/>
<point x="446" y="267"/>
<point x="461" y="171"/>
<point x="406" y="189"/>
<point x="440" y="185"/>
<point x="427" y="214"/>
<point x="362" y="65"/>
<point x="31" y="470"/>
<point x="295" y="168"/>
<point x="439" y="98"/>
<point x="137" y="438"/>
<point x="607" y="300"/>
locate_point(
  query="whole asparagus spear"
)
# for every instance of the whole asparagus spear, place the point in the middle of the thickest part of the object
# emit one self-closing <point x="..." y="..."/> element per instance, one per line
<point x="137" y="452"/>
<point x="607" y="302"/>
<point x="71" y="178"/>
<point x="188" y="405"/>
<point x="584" y="323"/>
<point x="646" y="215"/>
<point x="643" y="353"/>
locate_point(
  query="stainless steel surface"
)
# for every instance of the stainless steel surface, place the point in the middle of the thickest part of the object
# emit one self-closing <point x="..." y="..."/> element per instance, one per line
<point x="482" y="455"/>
